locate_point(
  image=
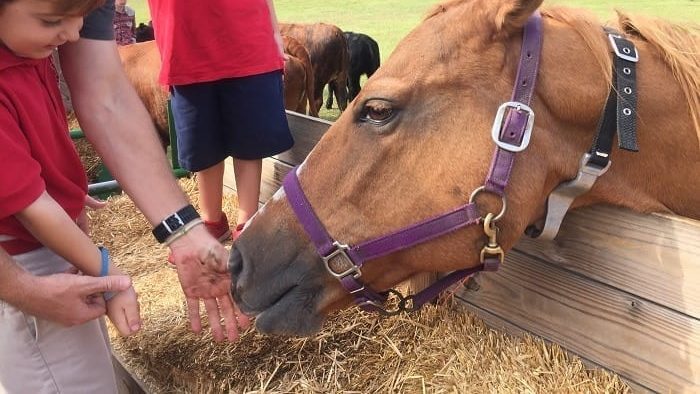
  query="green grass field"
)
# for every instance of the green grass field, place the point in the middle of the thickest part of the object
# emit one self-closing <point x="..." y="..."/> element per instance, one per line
<point x="387" y="21"/>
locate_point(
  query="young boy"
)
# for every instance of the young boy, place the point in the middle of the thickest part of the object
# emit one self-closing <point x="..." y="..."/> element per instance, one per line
<point x="223" y="63"/>
<point x="42" y="195"/>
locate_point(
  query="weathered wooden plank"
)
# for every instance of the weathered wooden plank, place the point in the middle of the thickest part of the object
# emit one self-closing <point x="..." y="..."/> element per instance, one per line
<point x="126" y="382"/>
<point x="645" y="342"/>
<point x="273" y="172"/>
<point x="655" y="257"/>
<point x="500" y="324"/>
<point x="306" y="131"/>
<point x="272" y="176"/>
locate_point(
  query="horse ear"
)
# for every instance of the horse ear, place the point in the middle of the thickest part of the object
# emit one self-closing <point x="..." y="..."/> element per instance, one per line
<point x="512" y="14"/>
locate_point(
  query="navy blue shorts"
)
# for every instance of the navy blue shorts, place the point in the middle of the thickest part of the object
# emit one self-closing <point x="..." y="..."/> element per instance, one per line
<point x="239" y="117"/>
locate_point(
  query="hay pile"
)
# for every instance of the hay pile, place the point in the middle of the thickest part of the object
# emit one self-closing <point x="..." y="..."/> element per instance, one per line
<point x="89" y="158"/>
<point x="88" y="155"/>
<point x="439" y="349"/>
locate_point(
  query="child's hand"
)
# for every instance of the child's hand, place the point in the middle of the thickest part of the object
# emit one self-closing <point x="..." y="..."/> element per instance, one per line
<point x="82" y="219"/>
<point x="123" y="311"/>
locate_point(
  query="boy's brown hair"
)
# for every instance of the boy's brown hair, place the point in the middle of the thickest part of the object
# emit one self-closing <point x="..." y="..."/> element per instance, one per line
<point x="68" y="7"/>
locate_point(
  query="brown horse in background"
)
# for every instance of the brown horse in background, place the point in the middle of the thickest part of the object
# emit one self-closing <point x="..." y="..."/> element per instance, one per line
<point x="416" y="143"/>
<point x="141" y="62"/>
<point x="329" y="57"/>
<point x="298" y="78"/>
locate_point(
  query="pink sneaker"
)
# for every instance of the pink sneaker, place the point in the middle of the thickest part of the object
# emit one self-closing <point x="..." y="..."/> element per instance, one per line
<point x="219" y="230"/>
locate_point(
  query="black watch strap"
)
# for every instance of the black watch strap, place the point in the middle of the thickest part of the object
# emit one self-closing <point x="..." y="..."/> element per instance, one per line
<point x="174" y="222"/>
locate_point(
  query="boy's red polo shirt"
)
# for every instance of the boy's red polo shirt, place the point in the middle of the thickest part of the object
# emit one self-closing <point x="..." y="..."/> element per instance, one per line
<point x="36" y="150"/>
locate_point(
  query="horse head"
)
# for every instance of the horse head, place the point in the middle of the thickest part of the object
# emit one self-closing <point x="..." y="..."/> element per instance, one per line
<point x="417" y="142"/>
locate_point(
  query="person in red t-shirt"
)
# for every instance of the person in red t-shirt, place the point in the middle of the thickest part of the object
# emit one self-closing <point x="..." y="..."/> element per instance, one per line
<point x="223" y="61"/>
<point x="42" y="197"/>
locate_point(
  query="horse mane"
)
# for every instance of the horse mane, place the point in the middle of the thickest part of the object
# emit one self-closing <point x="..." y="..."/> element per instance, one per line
<point x="440" y="8"/>
<point x="680" y="47"/>
<point x="678" y="44"/>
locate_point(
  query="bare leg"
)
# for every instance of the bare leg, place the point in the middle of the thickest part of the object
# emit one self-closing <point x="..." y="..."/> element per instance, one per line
<point x="211" y="186"/>
<point x="248" y="173"/>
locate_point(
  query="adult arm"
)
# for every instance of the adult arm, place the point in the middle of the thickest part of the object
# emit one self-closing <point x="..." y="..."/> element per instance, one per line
<point x="67" y="299"/>
<point x="116" y="122"/>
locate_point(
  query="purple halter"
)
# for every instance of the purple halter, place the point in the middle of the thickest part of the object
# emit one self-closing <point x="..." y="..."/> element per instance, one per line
<point x="511" y="132"/>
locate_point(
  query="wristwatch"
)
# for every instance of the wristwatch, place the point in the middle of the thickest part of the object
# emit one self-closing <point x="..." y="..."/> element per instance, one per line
<point x="174" y="222"/>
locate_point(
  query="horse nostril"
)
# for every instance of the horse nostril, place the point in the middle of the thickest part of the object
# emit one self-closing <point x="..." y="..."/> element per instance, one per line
<point x="235" y="262"/>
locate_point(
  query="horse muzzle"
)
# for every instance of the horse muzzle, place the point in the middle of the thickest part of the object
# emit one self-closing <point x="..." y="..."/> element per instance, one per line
<point x="282" y="285"/>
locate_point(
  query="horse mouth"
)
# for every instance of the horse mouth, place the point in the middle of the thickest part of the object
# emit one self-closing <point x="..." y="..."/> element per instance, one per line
<point x="292" y="313"/>
<point x="252" y="311"/>
<point x="283" y="298"/>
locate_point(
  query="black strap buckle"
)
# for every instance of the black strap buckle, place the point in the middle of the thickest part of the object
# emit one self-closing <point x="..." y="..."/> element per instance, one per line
<point x="623" y="48"/>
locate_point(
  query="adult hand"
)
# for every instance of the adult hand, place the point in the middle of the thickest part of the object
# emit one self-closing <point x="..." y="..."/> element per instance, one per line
<point x="69" y="299"/>
<point x="201" y="263"/>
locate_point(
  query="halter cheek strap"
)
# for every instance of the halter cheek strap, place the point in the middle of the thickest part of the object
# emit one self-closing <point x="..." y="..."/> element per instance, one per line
<point x="511" y="133"/>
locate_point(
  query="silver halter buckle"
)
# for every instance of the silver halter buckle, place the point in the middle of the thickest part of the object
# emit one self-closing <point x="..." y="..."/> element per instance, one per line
<point x="498" y="126"/>
<point x="341" y="251"/>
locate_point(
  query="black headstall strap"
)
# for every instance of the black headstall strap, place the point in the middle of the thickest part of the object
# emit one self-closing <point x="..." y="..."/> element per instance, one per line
<point x="619" y="113"/>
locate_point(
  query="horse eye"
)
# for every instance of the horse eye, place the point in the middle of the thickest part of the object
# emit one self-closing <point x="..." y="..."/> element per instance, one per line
<point x="377" y="111"/>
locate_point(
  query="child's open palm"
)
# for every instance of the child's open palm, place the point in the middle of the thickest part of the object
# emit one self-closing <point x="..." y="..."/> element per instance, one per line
<point x="123" y="311"/>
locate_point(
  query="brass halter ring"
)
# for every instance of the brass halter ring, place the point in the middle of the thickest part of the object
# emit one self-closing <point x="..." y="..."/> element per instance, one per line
<point x="503" y="202"/>
<point x="404" y="304"/>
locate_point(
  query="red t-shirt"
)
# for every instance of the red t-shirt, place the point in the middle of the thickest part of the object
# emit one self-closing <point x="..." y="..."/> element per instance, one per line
<point x="36" y="150"/>
<point x="212" y="40"/>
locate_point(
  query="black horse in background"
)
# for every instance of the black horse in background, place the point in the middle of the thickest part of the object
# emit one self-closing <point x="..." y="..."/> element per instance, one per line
<point x="364" y="59"/>
<point x="144" y="32"/>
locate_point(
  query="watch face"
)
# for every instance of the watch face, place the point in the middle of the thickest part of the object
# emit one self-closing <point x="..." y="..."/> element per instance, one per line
<point x="173" y="223"/>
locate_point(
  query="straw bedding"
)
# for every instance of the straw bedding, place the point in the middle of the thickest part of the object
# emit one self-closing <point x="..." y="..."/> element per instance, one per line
<point x="88" y="155"/>
<point x="438" y="350"/>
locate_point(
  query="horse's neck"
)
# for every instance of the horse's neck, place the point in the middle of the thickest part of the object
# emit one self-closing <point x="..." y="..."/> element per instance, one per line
<point x="665" y="174"/>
